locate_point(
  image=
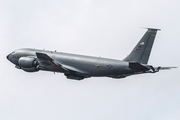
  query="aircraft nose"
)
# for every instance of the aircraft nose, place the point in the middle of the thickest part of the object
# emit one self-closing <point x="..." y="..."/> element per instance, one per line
<point x="8" y="56"/>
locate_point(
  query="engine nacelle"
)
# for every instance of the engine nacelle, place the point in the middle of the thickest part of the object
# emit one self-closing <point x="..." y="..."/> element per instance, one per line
<point x="27" y="62"/>
<point x="33" y="69"/>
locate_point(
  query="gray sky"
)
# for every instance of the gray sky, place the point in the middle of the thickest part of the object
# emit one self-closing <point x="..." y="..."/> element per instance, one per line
<point x="98" y="28"/>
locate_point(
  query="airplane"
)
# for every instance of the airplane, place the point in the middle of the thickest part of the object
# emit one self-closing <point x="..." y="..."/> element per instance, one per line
<point x="78" y="67"/>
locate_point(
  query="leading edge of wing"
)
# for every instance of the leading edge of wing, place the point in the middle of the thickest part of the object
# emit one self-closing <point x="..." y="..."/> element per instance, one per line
<point x="43" y="56"/>
<point x="67" y="68"/>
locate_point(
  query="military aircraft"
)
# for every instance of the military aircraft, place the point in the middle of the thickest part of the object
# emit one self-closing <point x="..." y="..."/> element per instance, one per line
<point x="79" y="67"/>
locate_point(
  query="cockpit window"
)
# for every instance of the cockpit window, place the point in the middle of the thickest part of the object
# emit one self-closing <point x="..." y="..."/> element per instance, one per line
<point x="13" y="52"/>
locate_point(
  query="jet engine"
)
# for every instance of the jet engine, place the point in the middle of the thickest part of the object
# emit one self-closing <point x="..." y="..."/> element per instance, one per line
<point x="27" y="62"/>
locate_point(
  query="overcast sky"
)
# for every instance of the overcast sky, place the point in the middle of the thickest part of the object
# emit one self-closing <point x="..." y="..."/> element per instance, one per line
<point x="97" y="28"/>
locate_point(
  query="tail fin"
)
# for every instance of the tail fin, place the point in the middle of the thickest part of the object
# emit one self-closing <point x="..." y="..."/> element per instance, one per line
<point x="142" y="50"/>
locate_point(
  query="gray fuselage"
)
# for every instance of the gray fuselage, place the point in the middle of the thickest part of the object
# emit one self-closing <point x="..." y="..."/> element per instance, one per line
<point x="90" y="66"/>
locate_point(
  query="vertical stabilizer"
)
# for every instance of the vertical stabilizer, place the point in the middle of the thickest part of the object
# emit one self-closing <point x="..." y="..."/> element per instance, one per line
<point x="142" y="50"/>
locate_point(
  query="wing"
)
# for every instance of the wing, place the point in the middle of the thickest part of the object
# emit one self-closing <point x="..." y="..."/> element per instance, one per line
<point x="46" y="62"/>
<point x="43" y="56"/>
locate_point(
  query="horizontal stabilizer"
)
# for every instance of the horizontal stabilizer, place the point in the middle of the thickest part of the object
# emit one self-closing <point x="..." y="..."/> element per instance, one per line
<point x="166" y="68"/>
<point x="155" y="29"/>
<point x="137" y="66"/>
